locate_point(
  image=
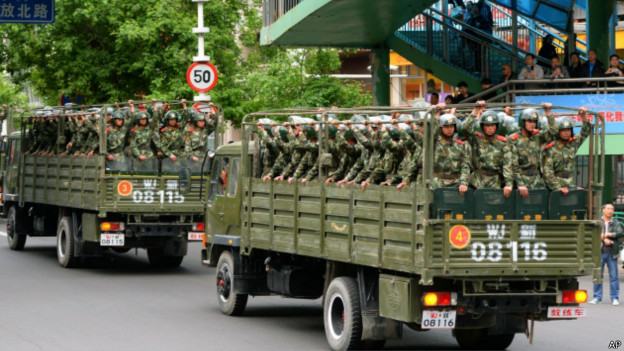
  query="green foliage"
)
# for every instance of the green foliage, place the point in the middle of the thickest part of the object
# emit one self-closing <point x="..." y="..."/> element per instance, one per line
<point x="10" y="94"/>
<point x="115" y="50"/>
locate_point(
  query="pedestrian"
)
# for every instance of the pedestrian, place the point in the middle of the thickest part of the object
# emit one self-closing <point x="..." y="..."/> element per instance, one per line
<point x="531" y="71"/>
<point x="486" y="83"/>
<point x="548" y="50"/>
<point x="611" y="234"/>
<point x="463" y="93"/>
<point x="614" y="71"/>
<point x="434" y="98"/>
<point x="593" y="68"/>
<point x="556" y="71"/>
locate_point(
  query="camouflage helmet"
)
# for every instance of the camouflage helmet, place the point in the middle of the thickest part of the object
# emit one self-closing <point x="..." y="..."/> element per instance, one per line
<point x="332" y="130"/>
<point x="283" y="133"/>
<point x="150" y="110"/>
<point x="448" y="119"/>
<point x="142" y="115"/>
<point x="565" y="123"/>
<point x="110" y="110"/>
<point x="489" y="117"/>
<point x="93" y="117"/>
<point x="310" y="132"/>
<point x="117" y="115"/>
<point x="172" y="115"/>
<point x="529" y="114"/>
<point x="393" y="132"/>
<point x="199" y="117"/>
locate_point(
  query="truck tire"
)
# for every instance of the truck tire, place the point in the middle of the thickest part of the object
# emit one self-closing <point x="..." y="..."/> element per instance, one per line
<point x="479" y="339"/>
<point x="157" y="258"/>
<point x="230" y="302"/>
<point x="65" y="244"/>
<point x="15" y="236"/>
<point x="342" y="316"/>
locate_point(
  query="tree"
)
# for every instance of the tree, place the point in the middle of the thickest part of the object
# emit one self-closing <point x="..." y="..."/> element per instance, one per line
<point x="10" y="94"/>
<point x="115" y="50"/>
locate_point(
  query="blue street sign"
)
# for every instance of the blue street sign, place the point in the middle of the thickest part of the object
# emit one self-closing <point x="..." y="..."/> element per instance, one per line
<point x="26" y="11"/>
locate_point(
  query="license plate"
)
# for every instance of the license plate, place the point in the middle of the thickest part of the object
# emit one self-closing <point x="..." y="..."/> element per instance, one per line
<point x="555" y="312"/>
<point x="438" y="319"/>
<point x="112" y="239"/>
<point x="196" y="236"/>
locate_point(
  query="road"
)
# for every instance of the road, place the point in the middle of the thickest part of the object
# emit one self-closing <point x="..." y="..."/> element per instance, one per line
<point x="123" y="303"/>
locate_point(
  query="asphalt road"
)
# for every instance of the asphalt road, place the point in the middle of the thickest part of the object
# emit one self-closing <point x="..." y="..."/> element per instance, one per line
<point x="123" y="303"/>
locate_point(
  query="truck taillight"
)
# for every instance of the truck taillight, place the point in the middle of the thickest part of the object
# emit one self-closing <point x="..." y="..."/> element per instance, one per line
<point x="198" y="227"/>
<point x="574" y="296"/>
<point x="432" y="299"/>
<point x="112" y="226"/>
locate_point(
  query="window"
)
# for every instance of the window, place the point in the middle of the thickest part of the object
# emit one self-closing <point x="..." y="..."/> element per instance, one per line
<point x="233" y="177"/>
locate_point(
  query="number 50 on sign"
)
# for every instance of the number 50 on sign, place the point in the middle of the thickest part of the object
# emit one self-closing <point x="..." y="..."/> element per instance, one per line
<point x="201" y="76"/>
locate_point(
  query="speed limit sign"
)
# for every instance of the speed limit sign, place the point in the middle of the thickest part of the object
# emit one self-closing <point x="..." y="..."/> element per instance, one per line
<point x="201" y="76"/>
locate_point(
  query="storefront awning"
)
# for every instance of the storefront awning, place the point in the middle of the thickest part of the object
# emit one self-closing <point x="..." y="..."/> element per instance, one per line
<point x="614" y="145"/>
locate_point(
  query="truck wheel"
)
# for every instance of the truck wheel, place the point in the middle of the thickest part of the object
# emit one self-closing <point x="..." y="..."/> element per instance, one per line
<point x="15" y="236"/>
<point x="230" y="302"/>
<point x="479" y="339"/>
<point x="65" y="244"/>
<point x="342" y="315"/>
<point x="158" y="259"/>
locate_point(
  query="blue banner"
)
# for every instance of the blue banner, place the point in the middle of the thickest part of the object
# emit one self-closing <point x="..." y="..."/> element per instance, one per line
<point x="610" y="106"/>
<point x="26" y="11"/>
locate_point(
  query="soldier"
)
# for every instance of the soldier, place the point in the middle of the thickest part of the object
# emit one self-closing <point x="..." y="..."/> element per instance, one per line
<point x="196" y="141"/>
<point x="306" y="168"/>
<point x="141" y="134"/>
<point x="170" y="143"/>
<point x="116" y="137"/>
<point x="270" y="151"/>
<point x="526" y="147"/>
<point x="491" y="154"/>
<point x="394" y="152"/>
<point x="375" y="147"/>
<point x="559" y="158"/>
<point x="92" y="143"/>
<point x="451" y="157"/>
<point x="285" y="150"/>
<point x="352" y="154"/>
<point x="297" y="143"/>
<point x="79" y="135"/>
<point x="333" y="148"/>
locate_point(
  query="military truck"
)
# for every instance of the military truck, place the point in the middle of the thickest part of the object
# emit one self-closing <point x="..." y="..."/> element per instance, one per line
<point x="485" y="266"/>
<point x="93" y="204"/>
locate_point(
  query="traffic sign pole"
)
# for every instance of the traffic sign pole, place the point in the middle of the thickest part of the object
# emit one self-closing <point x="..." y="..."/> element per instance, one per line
<point x="201" y="58"/>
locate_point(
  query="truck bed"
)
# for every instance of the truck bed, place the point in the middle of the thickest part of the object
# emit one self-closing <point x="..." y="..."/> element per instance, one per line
<point x="384" y="228"/>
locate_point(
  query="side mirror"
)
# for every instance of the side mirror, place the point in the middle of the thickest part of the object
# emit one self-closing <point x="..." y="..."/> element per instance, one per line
<point x="211" y="154"/>
<point x="184" y="180"/>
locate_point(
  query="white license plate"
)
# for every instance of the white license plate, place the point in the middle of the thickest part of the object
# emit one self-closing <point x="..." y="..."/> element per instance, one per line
<point x="438" y="319"/>
<point x="112" y="239"/>
<point x="196" y="236"/>
<point x="555" y="312"/>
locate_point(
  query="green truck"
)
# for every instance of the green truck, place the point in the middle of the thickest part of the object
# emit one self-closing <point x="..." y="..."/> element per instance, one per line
<point x="483" y="265"/>
<point x="92" y="204"/>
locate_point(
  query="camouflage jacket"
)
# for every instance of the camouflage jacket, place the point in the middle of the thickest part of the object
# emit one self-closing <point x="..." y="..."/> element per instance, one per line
<point x="298" y="149"/>
<point x="116" y="139"/>
<point x="451" y="163"/>
<point x="308" y="161"/>
<point x="491" y="158"/>
<point x="526" y="150"/>
<point x="351" y="154"/>
<point x="170" y="142"/>
<point x="196" y="142"/>
<point x="270" y="151"/>
<point x="559" y="160"/>
<point x="375" y="160"/>
<point x="394" y="152"/>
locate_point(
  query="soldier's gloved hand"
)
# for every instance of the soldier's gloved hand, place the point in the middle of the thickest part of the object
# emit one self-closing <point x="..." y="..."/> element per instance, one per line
<point x="401" y="186"/>
<point x="463" y="189"/>
<point x="507" y="191"/>
<point x="291" y="180"/>
<point x="110" y="157"/>
<point x="524" y="192"/>
<point x="564" y="191"/>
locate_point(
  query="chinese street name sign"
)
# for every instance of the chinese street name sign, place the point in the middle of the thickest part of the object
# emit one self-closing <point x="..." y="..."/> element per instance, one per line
<point x="26" y="11"/>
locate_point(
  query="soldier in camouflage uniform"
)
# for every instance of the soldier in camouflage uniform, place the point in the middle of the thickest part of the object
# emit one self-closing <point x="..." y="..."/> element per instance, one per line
<point x="351" y="152"/>
<point x="36" y="134"/>
<point x="333" y="148"/>
<point x="526" y="149"/>
<point x="559" y="158"/>
<point x="298" y="144"/>
<point x="376" y="150"/>
<point x="491" y="154"/>
<point x="285" y="150"/>
<point x="141" y="134"/>
<point x="170" y="142"/>
<point x="195" y="145"/>
<point x="116" y="137"/>
<point x="80" y="132"/>
<point x="92" y="143"/>
<point x="394" y="152"/>
<point x="451" y="157"/>
<point x="270" y="150"/>
<point x="306" y="168"/>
